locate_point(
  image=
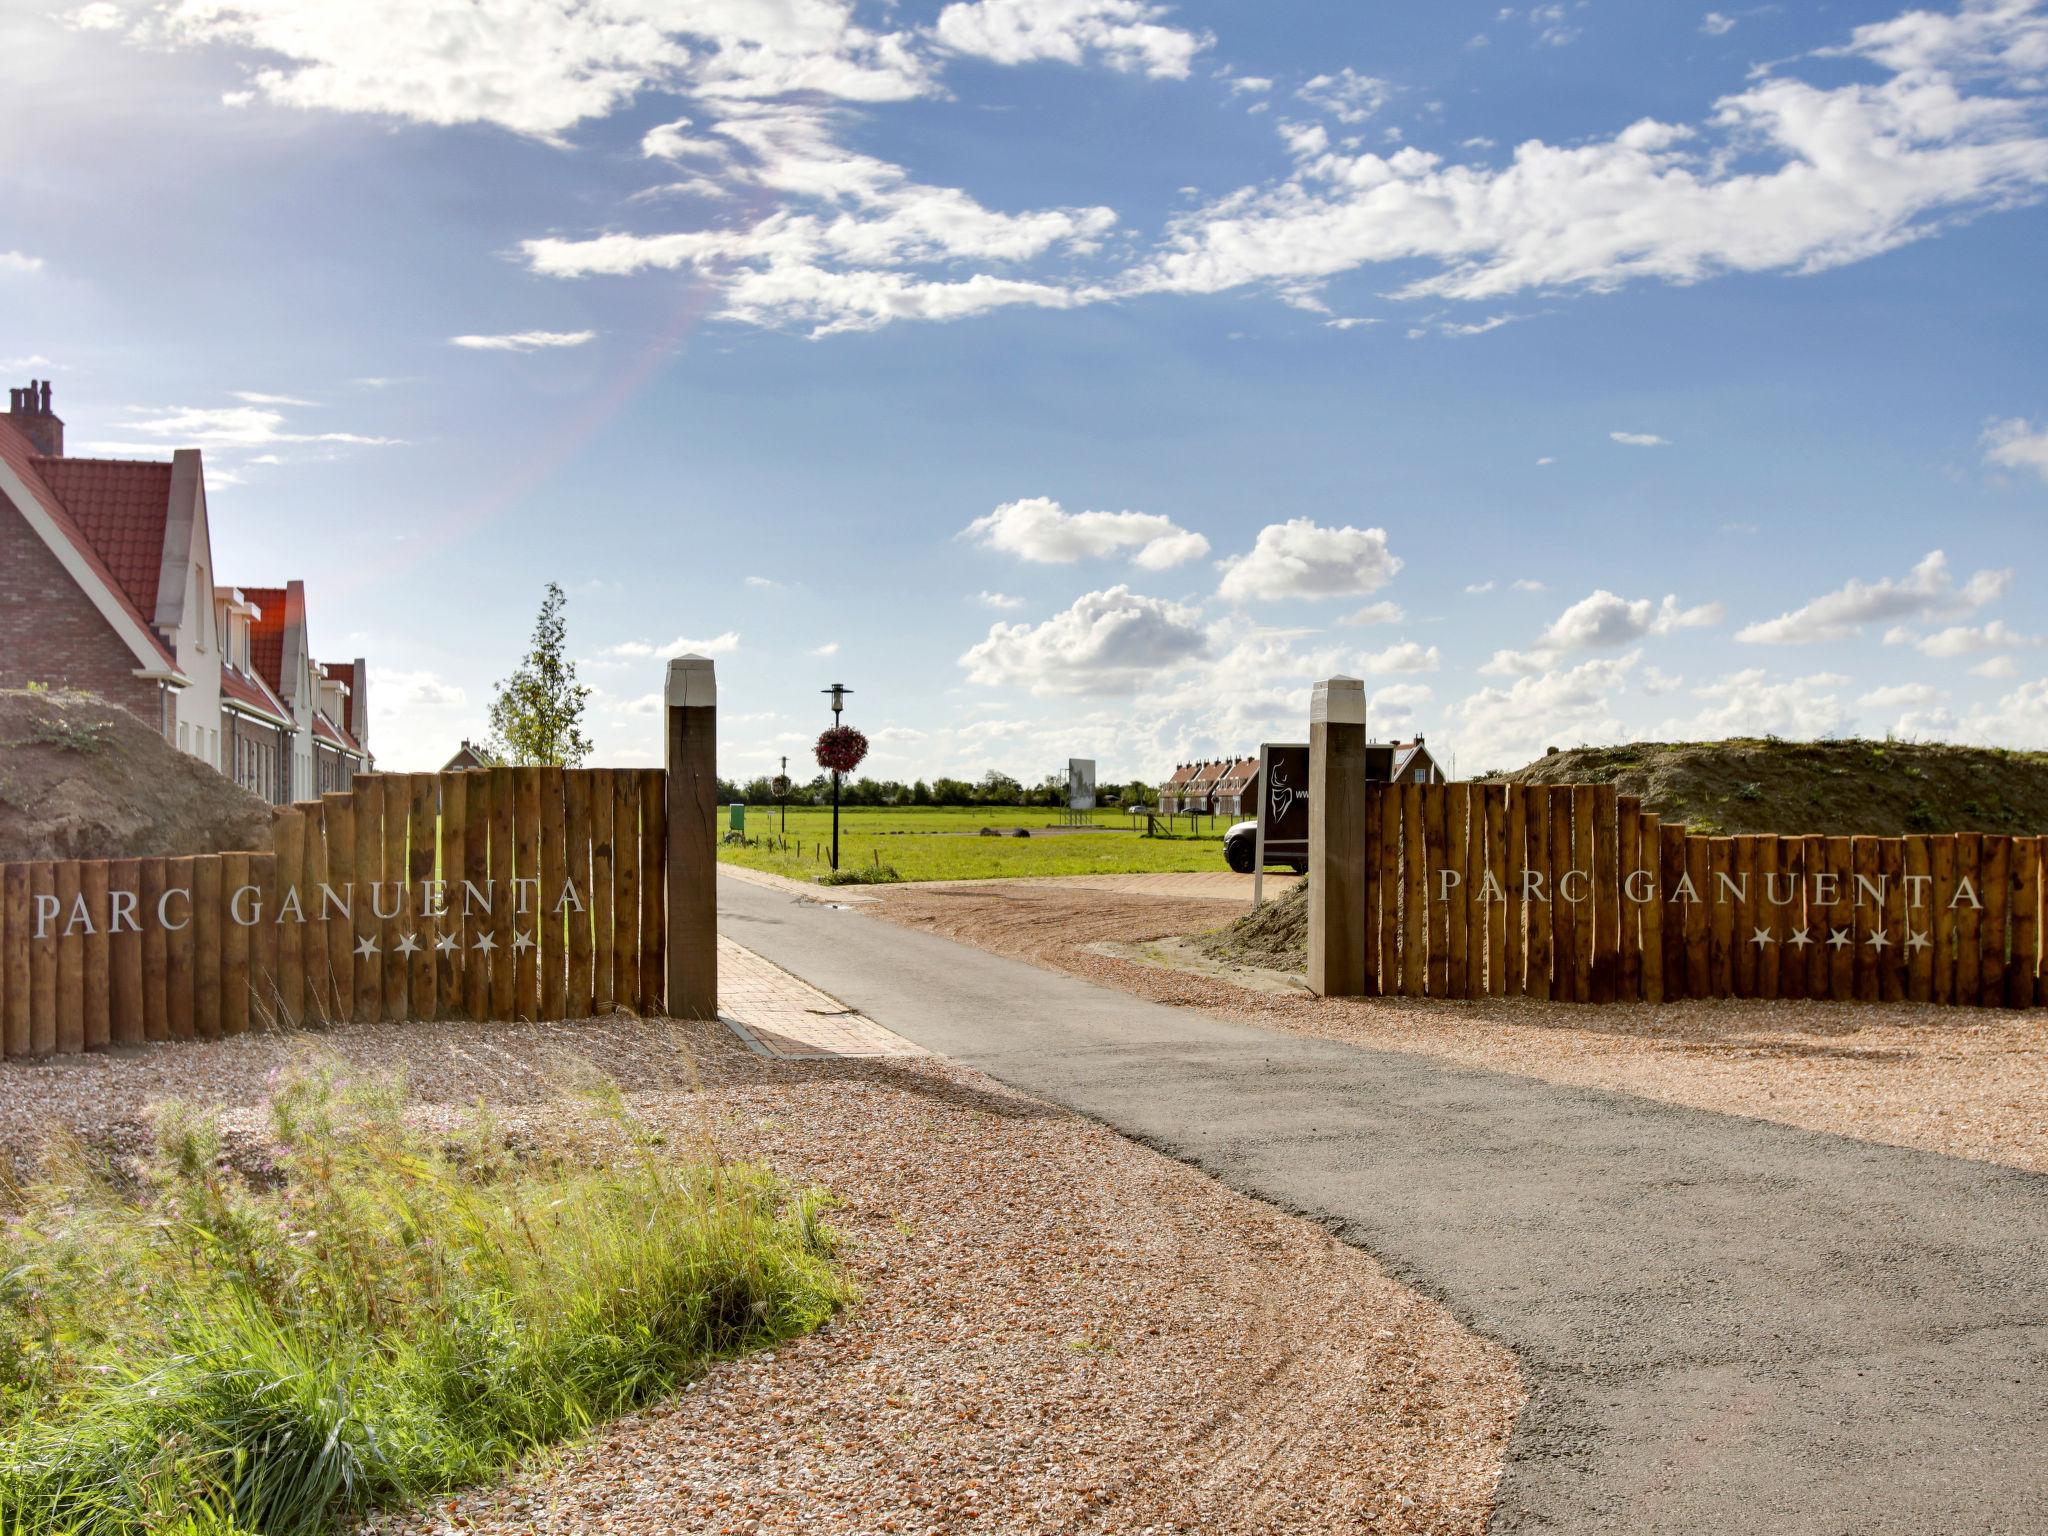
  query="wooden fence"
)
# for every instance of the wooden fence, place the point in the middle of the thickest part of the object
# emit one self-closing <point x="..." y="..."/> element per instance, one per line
<point x="500" y="893"/>
<point x="1573" y="893"/>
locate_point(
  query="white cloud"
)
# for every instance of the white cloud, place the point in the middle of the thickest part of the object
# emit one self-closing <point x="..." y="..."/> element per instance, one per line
<point x="97" y="16"/>
<point x="1039" y="529"/>
<point x="254" y="397"/>
<point x="2017" y="444"/>
<point x="763" y="583"/>
<point x="1347" y="95"/>
<point x="1714" y="24"/>
<point x="420" y="716"/>
<point x="1996" y="666"/>
<point x="1300" y="558"/>
<point x="1783" y="176"/>
<point x="1963" y="639"/>
<point x="1901" y="696"/>
<point x="1641" y="439"/>
<point x="228" y="429"/>
<point x="1546" y="459"/>
<point x="1505" y="727"/>
<point x="829" y="648"/>
<point x="1256" y="85"/>
<point x="1529" y="584"/>
<point x="1407" y="656"/>
<point x="19" y="262"/>
<point x="1927" y="591"/>
<point x="718" y="645"/>
<point x="1981" y="37"/>
<point x="2019" y="719"/>
<point x="1105" y="642"/>
<point x="1480" y="588"/>
<point x="523" y="341"/>
<point x="1127" y="35"/>
<point x="1001" y="601"/>
<point x="1374" y="613"/>
<point x="1751" y="703"/>
<point x="1603" y="621"/>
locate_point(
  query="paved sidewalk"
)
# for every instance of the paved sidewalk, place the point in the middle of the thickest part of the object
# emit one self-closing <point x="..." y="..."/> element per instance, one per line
<point x="778" y="1015"/>
<point x="1727" y="1325"/>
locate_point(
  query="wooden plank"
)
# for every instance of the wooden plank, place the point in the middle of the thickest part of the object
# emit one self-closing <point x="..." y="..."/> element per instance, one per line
<point x="1536" y="818"/>
<point x="1942" y="915"/>
<point x="1436" y="909"/>
<point x="1841" y="864"/>
<point x="130" y="1014"/>
<point x="322" y="1005"/>
<point x="1472" y="869"/>
<point x="153" y="1002"/>
<point x="576" y="850"/>
<point x="1564" y="927"/>
<point x="1517" y="903"/>
<point x="1414" y="896"/>
<point x="96" y="1017"/>
<point x="1721" y="906"/>
<point x="2022" y="977"/>
<point x="1672" y="906"/>
<point x="288" y="837"/>
<point x="1814" y="913"/>
<point x="554" y="867"/>
<point x="1996" y="892"/>
<point x="626" y="891"/>
<point x="15" y="913"/>
<point x="1969" y="919"/>
<point x="207" y="946"/>
<point x="1496" y="889"/>
<point x="653" y="890"/>
<point x="525" y="912"/>
<point x="1891" y="959"/>
<point x="1771" y="893"/>
<point x="42" y="890"/>
<point x="389" y="912"/>
<point x="352" y="985"/>
<point x="603" y="794"/>
<point x="1628" y="858"/>
<point x="1583" y="892"/>
<point x="1746" y="919"/>
<point x="1372" y="890"/>
<point x="443" y="920"/>
<point x="234" y="944"/>
<point x="263" y="939"/>
<point x="504" y="894"/>
<point x="1390" y="889"/>
<point x="1919" y="930"/>
<point x="181" y="950"/>
<point x="70" y="946"/>
<point x="1450" y="905"/>
<point x="423" y="985"/>
<point x="1866" y="906"/>
<point x="1606" y="893"/>
<point x="1792" y="919"/>
<point x="474" y="898"/>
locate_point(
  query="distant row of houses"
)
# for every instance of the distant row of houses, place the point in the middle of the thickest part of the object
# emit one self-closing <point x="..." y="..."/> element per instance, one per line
<point x="1230" y="786"/>
<point x="107" y="584"/>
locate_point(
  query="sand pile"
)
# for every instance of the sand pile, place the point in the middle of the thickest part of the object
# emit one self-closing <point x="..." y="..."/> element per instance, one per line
<point x="83" y="779"/>
<point x="1273" y="937"/>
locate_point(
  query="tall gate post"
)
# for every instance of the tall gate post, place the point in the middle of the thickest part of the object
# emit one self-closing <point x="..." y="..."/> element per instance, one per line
<point x="1336" y="838"/>
<point x="692" y="817"/>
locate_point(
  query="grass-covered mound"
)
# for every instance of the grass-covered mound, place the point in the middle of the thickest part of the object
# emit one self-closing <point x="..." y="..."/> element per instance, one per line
<point x="1840" y="788"/>
<point x="356" y="1313"/>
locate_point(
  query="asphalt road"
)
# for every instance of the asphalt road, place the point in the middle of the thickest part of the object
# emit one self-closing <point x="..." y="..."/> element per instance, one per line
<point x="1726" y="1325"/>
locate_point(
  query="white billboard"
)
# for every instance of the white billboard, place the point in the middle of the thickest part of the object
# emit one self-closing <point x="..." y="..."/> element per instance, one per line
<point x="1080" y="783"/>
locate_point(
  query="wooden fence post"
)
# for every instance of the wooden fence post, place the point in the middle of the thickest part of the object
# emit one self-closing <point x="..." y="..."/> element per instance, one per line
<point x="690" y="817"/>
<point x="1336" y="838"/>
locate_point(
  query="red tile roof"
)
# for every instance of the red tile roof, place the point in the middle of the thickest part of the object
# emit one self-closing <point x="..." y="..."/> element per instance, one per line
<point x="344" y="673"/>
<point x="237" y="687"/>
<point x="22" y="458"/>
<point x="121" y="506"/>
<point x="266" y="635"/>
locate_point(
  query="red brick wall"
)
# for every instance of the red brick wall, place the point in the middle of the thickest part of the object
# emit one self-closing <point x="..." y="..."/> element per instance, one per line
<point x="50" y="632"/>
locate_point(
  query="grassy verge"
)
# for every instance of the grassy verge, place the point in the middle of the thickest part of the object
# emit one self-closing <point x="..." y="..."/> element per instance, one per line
<point x="360" y="1314"/>
<point x="942" y="844"/>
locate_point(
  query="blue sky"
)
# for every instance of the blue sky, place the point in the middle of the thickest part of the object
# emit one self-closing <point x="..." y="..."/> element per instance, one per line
<point x="1079" y="377"/>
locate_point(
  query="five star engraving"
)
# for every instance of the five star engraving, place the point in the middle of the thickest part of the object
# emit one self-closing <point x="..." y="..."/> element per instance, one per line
<point x="1838" y="938"/>
<point x="1799" y="940"/>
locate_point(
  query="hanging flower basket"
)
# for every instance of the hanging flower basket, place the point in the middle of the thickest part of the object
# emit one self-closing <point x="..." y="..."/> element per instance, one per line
<point x="841" y="749"/>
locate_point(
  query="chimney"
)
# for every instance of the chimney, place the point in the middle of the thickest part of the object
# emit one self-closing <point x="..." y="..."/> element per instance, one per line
<point x="29" y="409"/>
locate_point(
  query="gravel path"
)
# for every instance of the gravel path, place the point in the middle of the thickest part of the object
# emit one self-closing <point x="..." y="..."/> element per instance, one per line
<point x="1059" y="1331"/>
<point x="1726" y="1324"/>
<point x="1966" y="1082"/>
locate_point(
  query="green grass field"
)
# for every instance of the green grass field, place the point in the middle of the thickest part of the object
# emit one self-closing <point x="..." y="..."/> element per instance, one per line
<point x="942" y="843"/>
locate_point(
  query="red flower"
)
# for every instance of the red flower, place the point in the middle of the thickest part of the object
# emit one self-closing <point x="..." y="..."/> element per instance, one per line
<point x="841" y="749"/>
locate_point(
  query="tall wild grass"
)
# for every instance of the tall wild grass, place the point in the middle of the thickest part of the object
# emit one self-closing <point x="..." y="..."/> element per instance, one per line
<point x="361" y="1314"/>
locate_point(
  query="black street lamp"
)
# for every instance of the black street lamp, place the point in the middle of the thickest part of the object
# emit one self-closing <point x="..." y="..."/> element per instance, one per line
<point x="839" y="691"/>
<point x="782" y="792"/>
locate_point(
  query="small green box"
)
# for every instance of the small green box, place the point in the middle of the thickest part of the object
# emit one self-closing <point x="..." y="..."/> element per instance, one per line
<point x="736" y="816"/>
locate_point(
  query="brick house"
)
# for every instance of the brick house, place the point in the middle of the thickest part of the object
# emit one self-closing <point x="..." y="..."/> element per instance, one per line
<point x="107" y="584"/>
<point x="1237" y="788"/>
<point x="1199" y="793"/>
<point x="1170" y="792"/>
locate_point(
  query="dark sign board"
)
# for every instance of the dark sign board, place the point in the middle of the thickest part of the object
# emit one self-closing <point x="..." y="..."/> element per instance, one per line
<point x="1283" y="800"/>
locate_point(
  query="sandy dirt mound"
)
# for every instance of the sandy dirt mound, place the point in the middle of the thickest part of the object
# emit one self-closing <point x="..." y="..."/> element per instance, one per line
<point x="1273" y="937"/>
<point x="1839" y="788"/>
<point x="83" y="779"/>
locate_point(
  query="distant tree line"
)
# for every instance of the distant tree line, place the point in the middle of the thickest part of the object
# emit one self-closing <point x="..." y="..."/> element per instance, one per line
<point x="992" y="788"/>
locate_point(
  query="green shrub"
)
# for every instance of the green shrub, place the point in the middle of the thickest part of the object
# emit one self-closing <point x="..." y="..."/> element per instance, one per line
<point x="270" y="1340"/>
<point x="860" y="874"/>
